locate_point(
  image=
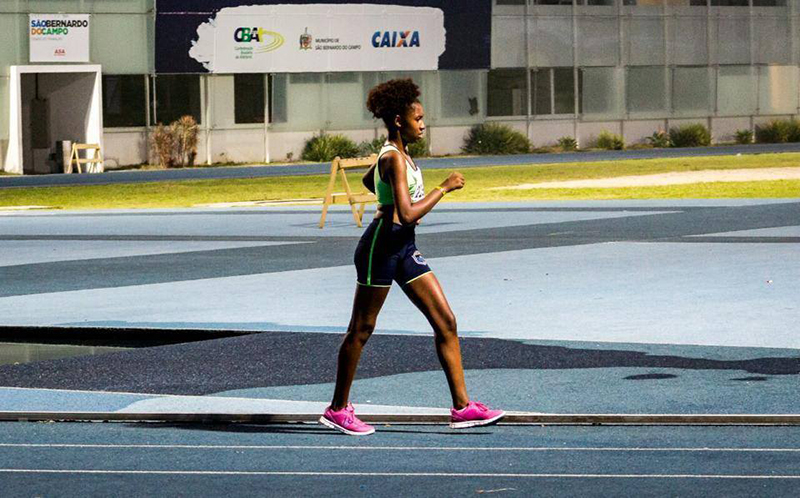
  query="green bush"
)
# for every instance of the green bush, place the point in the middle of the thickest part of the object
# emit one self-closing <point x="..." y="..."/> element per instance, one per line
<point x="774" y="132"/>
<point x="418" y="148"/>
<point x="744" y="136"/>
<point x="368" y="147"/>
<point x="567" y="144"/>
<point x="659" y="139"/>
<point x="690" y="135"/>
<point x="324" y="147"/>
<point x="609" y="141"/>
<point x="495" y="138"/>
<point x="794" y="131"/>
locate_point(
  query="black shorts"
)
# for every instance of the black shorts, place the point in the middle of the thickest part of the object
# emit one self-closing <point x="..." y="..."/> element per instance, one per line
<point x="387" y="252"/>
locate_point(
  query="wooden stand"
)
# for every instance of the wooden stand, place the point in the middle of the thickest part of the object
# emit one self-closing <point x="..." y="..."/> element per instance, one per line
<point x="77" y="160"/>
<point x="340" y="166"/>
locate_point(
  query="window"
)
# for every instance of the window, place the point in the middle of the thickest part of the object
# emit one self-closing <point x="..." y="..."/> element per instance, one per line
<point x="598" y="40"/>
<point x="688" y="41"/>
<point x="175" y="95"/>
<point x="777" y="89"/>
<point x="645" y="41"/>
<point x="733" y="40"/>
<point x="345" y="100"/>
<point x="460" y="92"/>
<point x="248" y="98"/>
<point x="769" y="3"/>
<point x="599" y="91"/>
<point x="507" y="93"/>
<point x="564" y="90"/>
<point x="645" y="89"/>
<point x="730" y="3"/>
<point x="124" y="100"/>
<point x="690" y="91"/>
<point x="553" y="90"/>
<point x="277" y="98"/>
<point x="735" y="91"/>
<point x="541" y="91"/>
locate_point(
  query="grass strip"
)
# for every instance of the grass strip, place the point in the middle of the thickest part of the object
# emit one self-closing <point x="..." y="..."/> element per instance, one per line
<point x="479" y="180"/>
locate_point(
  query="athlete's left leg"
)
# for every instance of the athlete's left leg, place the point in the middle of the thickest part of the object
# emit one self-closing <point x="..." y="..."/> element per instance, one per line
<point x="426" y="293"/>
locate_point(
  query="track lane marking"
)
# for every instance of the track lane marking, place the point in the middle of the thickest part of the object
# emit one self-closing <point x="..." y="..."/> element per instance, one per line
<point x="392" y="474"/>
<point x="391" y="448"/>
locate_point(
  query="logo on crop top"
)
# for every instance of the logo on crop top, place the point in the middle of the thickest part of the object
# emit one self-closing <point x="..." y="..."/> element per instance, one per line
<point x="395" y="39"/>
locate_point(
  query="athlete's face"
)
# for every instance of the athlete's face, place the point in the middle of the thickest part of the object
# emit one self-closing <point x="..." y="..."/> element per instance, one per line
<point x="412" y="124"/>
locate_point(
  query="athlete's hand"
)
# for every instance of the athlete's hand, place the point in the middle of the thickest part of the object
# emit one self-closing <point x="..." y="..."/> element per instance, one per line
<point x="454" y="182"/>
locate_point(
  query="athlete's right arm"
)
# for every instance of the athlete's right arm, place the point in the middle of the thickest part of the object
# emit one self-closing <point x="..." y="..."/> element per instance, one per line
<point x="410" y="212"/>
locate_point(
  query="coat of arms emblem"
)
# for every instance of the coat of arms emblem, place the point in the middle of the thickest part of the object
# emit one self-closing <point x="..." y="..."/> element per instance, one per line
<point x="305" y="41"/>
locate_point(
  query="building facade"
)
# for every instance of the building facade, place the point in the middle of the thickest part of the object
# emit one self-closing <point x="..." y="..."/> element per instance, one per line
<point x="556" y="68"/>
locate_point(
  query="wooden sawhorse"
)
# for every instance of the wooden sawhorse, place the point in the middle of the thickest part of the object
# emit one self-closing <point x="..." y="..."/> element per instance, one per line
<point x="341" y="166"/>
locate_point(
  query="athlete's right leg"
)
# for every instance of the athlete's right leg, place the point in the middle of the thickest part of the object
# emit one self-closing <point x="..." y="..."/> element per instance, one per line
<point x="366" y="306"/>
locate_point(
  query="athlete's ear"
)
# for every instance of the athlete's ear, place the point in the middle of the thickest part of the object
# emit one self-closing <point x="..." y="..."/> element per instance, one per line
<point x="398" y="121"/>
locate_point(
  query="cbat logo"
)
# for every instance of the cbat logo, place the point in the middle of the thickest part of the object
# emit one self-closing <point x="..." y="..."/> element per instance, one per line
<point x="395" y="39"/>
<point x="267" y="40"/>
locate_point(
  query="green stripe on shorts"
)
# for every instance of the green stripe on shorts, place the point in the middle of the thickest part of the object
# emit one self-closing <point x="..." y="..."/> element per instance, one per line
<point x="372" y="250"/>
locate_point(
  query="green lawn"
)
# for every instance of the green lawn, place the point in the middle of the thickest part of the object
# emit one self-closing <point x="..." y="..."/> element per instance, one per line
<point x="479" y="181"/>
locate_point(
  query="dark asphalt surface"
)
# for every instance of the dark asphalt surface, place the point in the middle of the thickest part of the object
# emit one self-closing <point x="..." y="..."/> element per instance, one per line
<point x="294" y="359"/>
<point x="306" y="460"/>
<point x="114" y="177"/>
<point x="685" y="226"/>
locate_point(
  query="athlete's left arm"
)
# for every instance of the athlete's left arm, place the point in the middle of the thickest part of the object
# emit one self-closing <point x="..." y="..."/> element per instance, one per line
<point x="369" y="179"/>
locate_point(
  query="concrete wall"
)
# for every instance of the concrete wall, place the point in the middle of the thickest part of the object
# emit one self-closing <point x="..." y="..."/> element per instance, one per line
<point x="547" y="132"/>
<point x="124" y="147"/>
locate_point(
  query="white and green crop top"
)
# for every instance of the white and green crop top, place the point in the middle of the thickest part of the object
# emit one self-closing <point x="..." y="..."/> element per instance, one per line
<point x="413" y="176"/>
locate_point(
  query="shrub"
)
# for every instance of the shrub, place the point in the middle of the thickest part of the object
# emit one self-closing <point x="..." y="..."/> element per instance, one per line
<point x="495" y="138"/>
<point x="324" y="147"/>
<point x="774" y="132"/>
<point x="659" y="139"/>
<point x="368" y="147"/>
<point x="185" y="132"/>
<point x="418" y="148"/>
<point x="609" y="141"/>
<point x="744" y="136"/>
<point x="163" y="143"/>
<point x="690" y="135"/>
<point x="567" y="144"/>
<point x="176" y="144"/>
<point x="794" y="131"/>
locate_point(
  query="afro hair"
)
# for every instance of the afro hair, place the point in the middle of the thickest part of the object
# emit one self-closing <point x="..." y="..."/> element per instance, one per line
<point x="392" y="98"/>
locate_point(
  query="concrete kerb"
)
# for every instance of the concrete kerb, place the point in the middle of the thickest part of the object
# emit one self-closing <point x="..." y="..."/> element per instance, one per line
<point x="517" y="418"/>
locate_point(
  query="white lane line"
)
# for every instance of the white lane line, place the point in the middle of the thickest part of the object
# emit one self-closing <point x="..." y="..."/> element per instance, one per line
<point x="388" y="448"/>
<point x="391" y="474"/>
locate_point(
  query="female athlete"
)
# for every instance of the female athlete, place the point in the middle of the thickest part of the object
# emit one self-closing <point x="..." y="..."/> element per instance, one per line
<point x="387" y="252"/>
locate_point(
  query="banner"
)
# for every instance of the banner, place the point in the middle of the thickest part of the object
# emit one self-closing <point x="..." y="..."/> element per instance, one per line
<point x="236" y="36"/>
<point x="320" y="38"/>
<point x="59" y="37"/>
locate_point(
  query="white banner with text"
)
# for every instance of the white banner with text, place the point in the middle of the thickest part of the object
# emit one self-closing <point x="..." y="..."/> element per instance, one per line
<point x="59" y="37"/>
<point x="320" y="38"/>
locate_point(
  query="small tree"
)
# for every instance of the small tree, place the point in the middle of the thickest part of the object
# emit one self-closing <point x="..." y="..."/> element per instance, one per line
<point x="163" y="145"/>
<point x="185" y="132"/>
<point x="176" y="144"/>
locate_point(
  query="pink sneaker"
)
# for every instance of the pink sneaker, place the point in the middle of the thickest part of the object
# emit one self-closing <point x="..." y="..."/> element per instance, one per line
<point x="473" y="415"/>
<point x="345" y="420"/>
